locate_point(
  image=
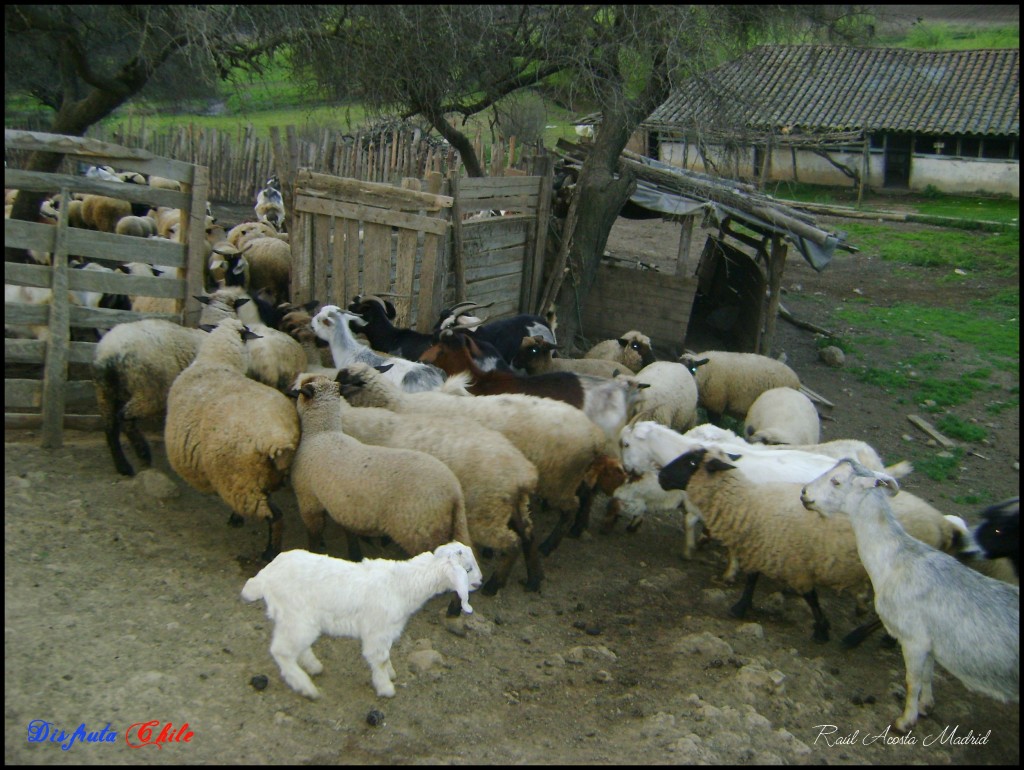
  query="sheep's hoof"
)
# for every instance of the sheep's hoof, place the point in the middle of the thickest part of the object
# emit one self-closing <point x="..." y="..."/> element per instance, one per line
<point x="820" y="634"/>
<point x="889" y="641"/>
<point x="491" y="587"/>
<point x="532" y="586"/>
<point x="234" y="520"/>
<point x="738" y="610"/>
<point x="269" y="554"/>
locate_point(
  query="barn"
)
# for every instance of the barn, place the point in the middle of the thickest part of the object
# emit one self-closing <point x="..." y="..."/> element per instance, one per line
<point x="878" y="117"/>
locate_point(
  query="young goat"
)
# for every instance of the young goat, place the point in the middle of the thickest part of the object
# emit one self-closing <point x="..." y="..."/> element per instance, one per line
<point x="309" y="594"/>
<point x="937" y="608"/>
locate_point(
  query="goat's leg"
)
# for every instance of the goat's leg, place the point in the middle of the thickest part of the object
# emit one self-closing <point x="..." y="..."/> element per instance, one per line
<point x="553" y="539"/>
<point x="915" y="658"/>
<point x="739" y="609"/>
<point x="586" y="497"/>
<point x="310" y="662"/>
<point x="927" y="700"/>
<point x="377" y="652"/>
<point x="289" y="643"/>
<point x="821" y="624"/>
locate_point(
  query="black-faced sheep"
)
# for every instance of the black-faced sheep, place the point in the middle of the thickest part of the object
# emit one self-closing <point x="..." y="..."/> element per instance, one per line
<point x="535" y="356"/>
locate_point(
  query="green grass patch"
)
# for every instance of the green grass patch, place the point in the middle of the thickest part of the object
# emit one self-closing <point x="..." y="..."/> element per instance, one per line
<point x="939" y="466"/>
<point x="993" y="331"/>
<point x="951" y="37"/>
<point x="955" y="428"/>
<point x="946" y="248"/>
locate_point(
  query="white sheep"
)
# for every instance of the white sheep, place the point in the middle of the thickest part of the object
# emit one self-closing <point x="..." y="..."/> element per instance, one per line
<point x="309" y="594"/>
<point x="632" y="350"/>
<point x="496" y="492"/>
<point x="228" y="434"/>
<point x="729" y="383"/>
<point x="410" y="496"/>
<point x="102" y="213"/>
<point x="782" y="416"/>
<point x="275" y="359"/>
<point x="133" y="367"/>
<point x="135" y="226"/>
<point x="242" y="233"/>
<point x="769" y="531"/>
<point x="332" y="324"/>
<point x="937" y="608"/>
<point x="670" y="397"/>
<point x="558" y="439"/>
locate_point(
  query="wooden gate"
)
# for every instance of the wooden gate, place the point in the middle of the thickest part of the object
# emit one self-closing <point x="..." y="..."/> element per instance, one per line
<point x="353" y="237"/>
<point x="38" y="395"/>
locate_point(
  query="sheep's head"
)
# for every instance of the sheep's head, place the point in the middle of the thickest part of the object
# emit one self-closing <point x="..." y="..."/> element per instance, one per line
<point x="637" y="345"/>
<point x="841" y="488"/>
<point x="461" y="569"/>
<point x="692" y="362"/>
<point x="314" y="391"/>
<point x="677" y="474"/>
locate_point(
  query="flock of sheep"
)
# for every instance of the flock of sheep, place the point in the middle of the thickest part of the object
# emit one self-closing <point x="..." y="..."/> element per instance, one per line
<point x="450" y="443"/>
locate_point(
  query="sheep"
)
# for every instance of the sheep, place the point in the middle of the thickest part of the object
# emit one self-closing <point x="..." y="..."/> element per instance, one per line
<point x="505" y="334"/>
<point x="102" y="213"/>
<point x="558" y="439"/>
<point x="138" y="227"/>
<point x="162" y="183"/>
<point x="606" y="402"/>
<point x="729" y="383"/>
<point x="782" y="416"/>
<point x="270" y="205"/>
<point x="632" y="350"/>
<point x="535" y="357"/>
<point x="244" y="232"/>
<point x="332" y="324"/>
<point x="308" y="594"/>
<point x="270" y="265"/>
<point x="410" y="496"/>
<point x="768" y="530"/>
<point x="670" y="398"/>
<point x="497" y="481"/>
<point x="133" y="367"/>
<point x="275" y="359"/>
<point x="937" y="608"/>
<point x="228" y="434"/>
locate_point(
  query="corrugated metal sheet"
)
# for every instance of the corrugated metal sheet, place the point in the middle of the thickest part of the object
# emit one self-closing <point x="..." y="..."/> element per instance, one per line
<point x="826" y="88"/>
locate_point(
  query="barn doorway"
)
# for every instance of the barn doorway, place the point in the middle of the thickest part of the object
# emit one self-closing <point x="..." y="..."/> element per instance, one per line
<point x="897" y="160"/>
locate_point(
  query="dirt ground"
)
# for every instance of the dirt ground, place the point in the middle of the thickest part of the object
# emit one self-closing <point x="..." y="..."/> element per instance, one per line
<point x="122" y="608"/>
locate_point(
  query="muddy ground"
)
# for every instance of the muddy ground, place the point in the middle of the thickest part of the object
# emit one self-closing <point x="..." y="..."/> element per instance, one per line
<point x="122" y="608"/>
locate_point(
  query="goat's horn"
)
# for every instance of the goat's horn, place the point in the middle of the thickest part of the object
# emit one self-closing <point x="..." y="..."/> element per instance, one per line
<point x="373" y="297"/>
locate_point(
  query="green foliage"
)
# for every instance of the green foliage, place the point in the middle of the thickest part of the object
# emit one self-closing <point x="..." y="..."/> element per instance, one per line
<point x="948" y="37"/>
<point x="955" y="428"/>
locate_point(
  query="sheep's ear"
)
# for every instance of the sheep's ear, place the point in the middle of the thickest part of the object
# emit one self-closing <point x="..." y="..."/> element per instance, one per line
<point x="460" y="582"/>
<point x="292" y="393"/>
<point x="733" y="456"/>
<point x="715" y="465"/>
<point x="310" y="306"/>
<point x="622" y="342"/>
<point x="240" y="301"/>
<point x="207" y="327"/>
<point x="749" y="430"/>
<point x="307" y="390"/>
<point x="248" y="334"/>
<point x="384" y="368"/>
<point x="201" y="300"/>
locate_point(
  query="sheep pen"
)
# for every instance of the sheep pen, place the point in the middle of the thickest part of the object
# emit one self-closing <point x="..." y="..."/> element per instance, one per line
<point x="624" y="656"/>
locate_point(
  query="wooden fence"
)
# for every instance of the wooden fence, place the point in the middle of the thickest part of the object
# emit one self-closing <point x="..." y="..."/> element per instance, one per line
<point x="240" y="161"/>
<point x="31" y="401"/>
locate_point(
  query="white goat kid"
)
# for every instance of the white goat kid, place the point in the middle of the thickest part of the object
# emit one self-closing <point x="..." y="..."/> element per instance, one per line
<point x="310" y="594"/>
<point x="938" y="609"/>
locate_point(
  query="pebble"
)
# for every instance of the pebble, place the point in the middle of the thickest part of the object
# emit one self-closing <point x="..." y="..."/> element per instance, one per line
<point x="832" y="356"/>
<point x="259" y="682"/>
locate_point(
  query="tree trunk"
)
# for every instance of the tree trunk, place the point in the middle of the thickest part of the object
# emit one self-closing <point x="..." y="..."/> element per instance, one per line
<point x="602" y="194"/>
<point x="73" y="119"/>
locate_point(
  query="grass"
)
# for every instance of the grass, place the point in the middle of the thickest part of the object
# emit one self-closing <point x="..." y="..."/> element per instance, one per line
<point x="939" y="247"/>
<point x="950" y="37"/>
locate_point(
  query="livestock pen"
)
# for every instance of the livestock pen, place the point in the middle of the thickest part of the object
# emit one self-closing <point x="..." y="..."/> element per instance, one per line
<point x="37" y="384"/>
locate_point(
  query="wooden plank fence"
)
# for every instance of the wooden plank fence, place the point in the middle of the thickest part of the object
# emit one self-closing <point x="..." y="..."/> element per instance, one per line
<point x="31" y="401"/>
<point x="240" y="162"/>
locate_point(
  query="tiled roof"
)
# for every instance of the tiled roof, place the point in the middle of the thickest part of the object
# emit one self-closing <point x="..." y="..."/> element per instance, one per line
<point x="826" y="88"/>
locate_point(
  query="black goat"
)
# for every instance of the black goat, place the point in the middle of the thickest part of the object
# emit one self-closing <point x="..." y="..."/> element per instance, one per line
<point x="505" y="334"/>
<point x="999" y="534"/>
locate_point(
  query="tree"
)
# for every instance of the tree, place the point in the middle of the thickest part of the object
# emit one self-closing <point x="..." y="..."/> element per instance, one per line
<point x="81" y="62"/>
<point x="441" y="61"/>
